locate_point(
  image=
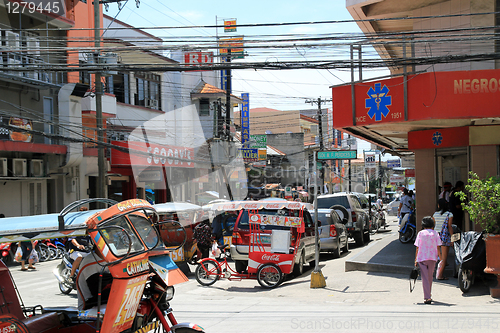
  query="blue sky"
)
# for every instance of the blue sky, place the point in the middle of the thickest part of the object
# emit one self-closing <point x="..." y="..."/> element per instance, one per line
<point x="284" y="89"/>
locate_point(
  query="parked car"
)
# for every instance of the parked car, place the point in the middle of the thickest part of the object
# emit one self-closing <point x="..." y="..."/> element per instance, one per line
<point x="358" y="224"/>
<point x="241" y="232"/>
<point x="332" y="232"/>
<point x="392" y="207"/>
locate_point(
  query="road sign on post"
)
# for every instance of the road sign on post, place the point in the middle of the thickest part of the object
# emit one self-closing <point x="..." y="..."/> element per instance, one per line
<point x="337" y="155"/>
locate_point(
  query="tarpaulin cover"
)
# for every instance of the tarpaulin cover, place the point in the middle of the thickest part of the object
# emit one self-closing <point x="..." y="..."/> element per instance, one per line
<point x="470" y="251"/>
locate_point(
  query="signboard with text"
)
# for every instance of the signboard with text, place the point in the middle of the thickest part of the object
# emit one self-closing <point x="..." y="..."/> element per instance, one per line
<point x="337" y="155"/>
<point x="245" y="118"/>
<point x="260" y="141"/>
<point x="370" y="161"/>
<point x="250" y="154"/>
<point x="393" y="163"/>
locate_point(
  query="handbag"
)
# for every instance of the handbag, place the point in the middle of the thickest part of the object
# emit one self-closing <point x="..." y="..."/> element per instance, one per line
<point x="413" y="276"/>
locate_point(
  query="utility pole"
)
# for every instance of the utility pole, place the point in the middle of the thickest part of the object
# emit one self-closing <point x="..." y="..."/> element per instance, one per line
<point x="101" y="166"/>
<point x="319" y="114"/>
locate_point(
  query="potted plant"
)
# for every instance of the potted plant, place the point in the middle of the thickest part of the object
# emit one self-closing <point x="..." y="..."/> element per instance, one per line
<point x="484" y="210"/>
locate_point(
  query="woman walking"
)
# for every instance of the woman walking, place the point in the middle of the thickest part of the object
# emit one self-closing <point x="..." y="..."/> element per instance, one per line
<point x="443" y="220"/>
<point x="427" y="243"/>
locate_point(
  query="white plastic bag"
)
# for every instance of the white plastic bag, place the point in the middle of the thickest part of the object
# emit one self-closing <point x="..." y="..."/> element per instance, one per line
<point x="19" y="254"/>
<point x="34" y="256"/>
<point x="215" y="250"/>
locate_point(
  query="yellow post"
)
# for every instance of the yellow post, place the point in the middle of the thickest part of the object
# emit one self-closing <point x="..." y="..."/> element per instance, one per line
<point x="317" y="280"/>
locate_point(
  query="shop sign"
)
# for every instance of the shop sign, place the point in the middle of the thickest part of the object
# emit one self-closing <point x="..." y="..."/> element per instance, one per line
<point x="260" y="141"/>
<point x="409" y="173"/>
<point x="235" y="44"/>
<point x="245" y="118"/>
<point x="250" y="154"/>
<point x="396" y="178"/>
<point x="230" y="25"/>
<point x="198" y="58"/>
<point x="262" y="154"/>
<point x="149" y="154"/>
<point x="393" y="163"/>
<point x="370" y="161"/>
<point x="408" y="162"/>
<point x="150" y="176"/>
<point x="12" y="135"/>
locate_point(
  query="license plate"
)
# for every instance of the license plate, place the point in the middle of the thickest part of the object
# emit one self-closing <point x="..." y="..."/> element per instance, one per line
<point x="455" y="237"/>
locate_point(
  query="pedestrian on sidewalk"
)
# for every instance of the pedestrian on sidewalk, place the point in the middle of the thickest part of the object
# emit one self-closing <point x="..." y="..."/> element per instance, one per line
<point x="443" y="220"/>
<point x="426" y="255"/>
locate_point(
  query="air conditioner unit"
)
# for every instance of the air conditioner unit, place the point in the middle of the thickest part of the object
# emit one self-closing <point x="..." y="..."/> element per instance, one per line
<point x="19" y="167"/>
<point x="3" y="167"/>
<point x="36" y="168"/>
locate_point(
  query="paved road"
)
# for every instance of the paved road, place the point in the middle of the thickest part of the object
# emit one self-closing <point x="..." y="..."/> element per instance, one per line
<point x="352" y="301"/>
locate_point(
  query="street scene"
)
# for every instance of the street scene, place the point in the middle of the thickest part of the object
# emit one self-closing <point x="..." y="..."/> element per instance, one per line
<point x="199" y="167"/>
<point x="353" y="301"/>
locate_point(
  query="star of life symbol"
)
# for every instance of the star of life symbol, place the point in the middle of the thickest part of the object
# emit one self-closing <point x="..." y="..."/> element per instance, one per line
<point x="378" y="102"/>
<point x="437" y="138"/>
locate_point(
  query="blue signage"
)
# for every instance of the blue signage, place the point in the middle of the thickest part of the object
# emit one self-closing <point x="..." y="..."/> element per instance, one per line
<point x="394" y="163"/>
<point x="378" y="102"/>
<point x="245" y="118"/>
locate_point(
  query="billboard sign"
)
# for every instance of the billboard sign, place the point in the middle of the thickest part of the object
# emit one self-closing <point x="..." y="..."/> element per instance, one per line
<point x="250" y="154"/>
<point x="198" y="58"/>
<point x="230" y="25"/>
<point x="260" y="141"/>
<point x="235" y="44"/>
<point x="245" y="118"/>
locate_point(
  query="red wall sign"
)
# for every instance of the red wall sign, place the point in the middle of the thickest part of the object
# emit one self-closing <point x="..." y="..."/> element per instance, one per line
<point x="153" y="155"/>
<point x="439" y="138"/>
<point x="439" y="95"/>
<point x="198" y="58"/>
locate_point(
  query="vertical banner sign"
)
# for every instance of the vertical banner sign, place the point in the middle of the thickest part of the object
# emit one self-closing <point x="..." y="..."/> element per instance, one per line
<point x="230" y="25"/>
<point x="245" y="118"/>
<point x="223" y="76"/>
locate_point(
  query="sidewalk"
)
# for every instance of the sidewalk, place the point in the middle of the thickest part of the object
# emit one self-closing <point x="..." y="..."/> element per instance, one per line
<point x="388" y="255"/>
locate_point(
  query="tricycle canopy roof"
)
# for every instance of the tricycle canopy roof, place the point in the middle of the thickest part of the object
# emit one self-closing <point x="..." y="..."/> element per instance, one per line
<point x="256" y="205"/>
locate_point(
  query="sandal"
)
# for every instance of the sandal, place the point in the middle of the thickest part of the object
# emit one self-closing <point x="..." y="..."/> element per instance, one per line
<point x="24" y="269"/>
<point x="443" y="278"/>
<point x="32" y="267"/>
<point x="428" y="301"/>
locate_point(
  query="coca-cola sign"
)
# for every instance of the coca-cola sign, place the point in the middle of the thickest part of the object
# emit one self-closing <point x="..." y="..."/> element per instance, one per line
<point x="271" y="257"/>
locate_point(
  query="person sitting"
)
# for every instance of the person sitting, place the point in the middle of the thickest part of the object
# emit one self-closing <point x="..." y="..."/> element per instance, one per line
<point x="78" y="249"/>
<point x="88" y="282"/>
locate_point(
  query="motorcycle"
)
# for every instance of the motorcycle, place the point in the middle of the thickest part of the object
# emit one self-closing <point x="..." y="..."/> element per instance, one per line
<point x="63" y="272"/>
<point x="408" y="228"/>
<point x="7" y="252"/>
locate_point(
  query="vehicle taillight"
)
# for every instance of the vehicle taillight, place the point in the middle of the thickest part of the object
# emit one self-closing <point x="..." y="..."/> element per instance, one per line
<point x="354" y="218"/>
<point x="237" y="239"/>
<point x="333" y="230"/>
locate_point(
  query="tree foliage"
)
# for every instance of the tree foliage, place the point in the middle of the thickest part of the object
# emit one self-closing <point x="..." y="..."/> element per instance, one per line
<point x="484" y="206"/>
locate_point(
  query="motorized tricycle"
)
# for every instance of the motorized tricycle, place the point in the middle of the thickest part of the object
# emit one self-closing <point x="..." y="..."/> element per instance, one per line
<point x="135" y="271"/>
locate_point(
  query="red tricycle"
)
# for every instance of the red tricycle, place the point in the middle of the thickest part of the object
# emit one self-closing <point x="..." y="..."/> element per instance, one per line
<point x="271" y="253"/>
<point x="133" y="270"/>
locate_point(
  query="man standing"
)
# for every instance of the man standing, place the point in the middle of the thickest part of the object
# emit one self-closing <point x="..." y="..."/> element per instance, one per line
<point x="405" y="206"/>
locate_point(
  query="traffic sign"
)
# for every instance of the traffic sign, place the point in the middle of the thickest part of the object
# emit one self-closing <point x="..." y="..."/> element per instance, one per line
<point x="337" y="155"/>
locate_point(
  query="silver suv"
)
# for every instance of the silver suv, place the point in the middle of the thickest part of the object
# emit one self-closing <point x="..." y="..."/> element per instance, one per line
<point x="358" y="224"/>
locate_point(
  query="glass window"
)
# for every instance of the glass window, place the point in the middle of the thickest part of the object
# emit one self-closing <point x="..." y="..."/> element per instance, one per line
<point x="204" y="107"/>
<point x="145" y="229"/>
<point x="331" y="201"/>
<point x="116" y="239"/>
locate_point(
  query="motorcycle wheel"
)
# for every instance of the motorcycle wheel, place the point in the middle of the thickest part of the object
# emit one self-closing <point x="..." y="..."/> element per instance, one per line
<point x="43" y="253"/>
<point x="464" y="280"/>
<point x="406" y="236"/>
<point x="60" y="252"/>
<point x="52" y="253"/>
<point x="207" y="273"/>
<point x="63" y="287"/>
<point x="374" y="227"/>
<point x="269" y="276"/>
